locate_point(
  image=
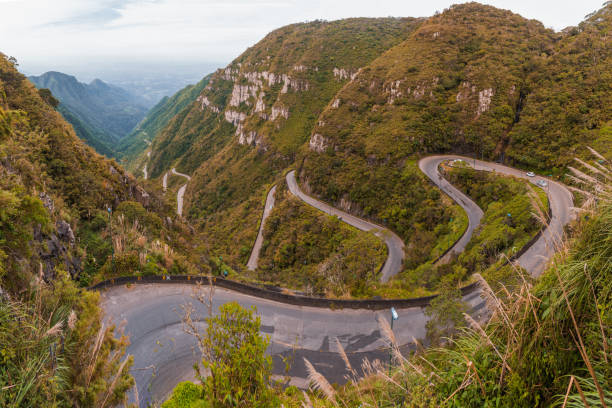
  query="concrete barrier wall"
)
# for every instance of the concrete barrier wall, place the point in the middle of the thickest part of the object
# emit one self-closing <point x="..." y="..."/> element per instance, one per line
<point x="372" y="304"/>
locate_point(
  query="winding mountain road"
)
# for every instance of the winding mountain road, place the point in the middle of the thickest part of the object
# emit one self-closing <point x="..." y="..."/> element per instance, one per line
<point x="268" y="206"/>
<point x="181" y="192"/>
<point x="560" y="199"/>
<point x="395" y="245"/>
<point x="164" y="354"/>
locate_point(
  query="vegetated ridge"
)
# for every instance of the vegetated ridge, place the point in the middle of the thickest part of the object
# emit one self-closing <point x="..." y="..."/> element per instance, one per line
<point x="353" y="110"/>
<point x="101" y="114"/>
<point x="135" y="144"/>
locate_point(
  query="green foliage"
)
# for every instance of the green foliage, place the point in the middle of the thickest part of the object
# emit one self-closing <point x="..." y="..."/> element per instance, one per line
<point x="186" y="395"/>
<point x="508" y="222"/>
<point x="48" y="97"/>
<point x="539" y="338"/>
<point x="569" y="101"/>
<point x="309" y="250"/>
<point x="134" y="212"/>
<point x="234" y="352"/>
<point x="54" y="352"/>
<point x="19" y="213"/>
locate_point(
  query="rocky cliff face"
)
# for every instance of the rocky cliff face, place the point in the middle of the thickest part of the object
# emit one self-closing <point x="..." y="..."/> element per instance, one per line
<point x="355" y="102"/>
<point x="259" y="110"/>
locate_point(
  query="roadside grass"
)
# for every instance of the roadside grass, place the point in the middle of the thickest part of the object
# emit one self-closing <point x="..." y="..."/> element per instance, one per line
<point x="455" y="228"/>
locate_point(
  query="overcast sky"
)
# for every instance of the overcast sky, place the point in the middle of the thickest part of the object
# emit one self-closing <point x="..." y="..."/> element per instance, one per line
<point x="43" y="34"/>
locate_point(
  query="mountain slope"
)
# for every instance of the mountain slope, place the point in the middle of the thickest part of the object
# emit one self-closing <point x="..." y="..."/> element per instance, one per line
<point x="569" y="103"/>
<point x="51" y="185"/>
<point x="454" y="85"/>
<point x="254" y="116"/>
<point x="100" y="112"/>
<point x="353" y="104"/>
<point x="157" y="118"/>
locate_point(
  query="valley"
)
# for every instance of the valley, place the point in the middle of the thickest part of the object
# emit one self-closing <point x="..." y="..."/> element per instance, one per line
<point x="154" y="324"/>
<point x="365" y="211"/>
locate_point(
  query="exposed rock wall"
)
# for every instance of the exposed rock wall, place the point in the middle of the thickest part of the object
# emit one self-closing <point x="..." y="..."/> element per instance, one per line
<point x="318" y="143"/>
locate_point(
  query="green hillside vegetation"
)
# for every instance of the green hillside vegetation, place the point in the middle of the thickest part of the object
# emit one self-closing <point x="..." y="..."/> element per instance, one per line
<point x="543" y="343"/>
<point x="224" y="195"/>
<point x="353" y="105"/>
<point x="316" y="253"/>
<point x="101" y="114"/>
<point x="54" y="238"/>
<point x="496" y="239"/>
<point x="53" y="346"/>
<point x="134" y="144"/>
<point x="95" y="138"/>
<point x="361" y="100"/>
<point x="546" y="345"/>
<point x="569" y="99"/>
<point x="434" y="102"/>
<point x="511" y="207"/>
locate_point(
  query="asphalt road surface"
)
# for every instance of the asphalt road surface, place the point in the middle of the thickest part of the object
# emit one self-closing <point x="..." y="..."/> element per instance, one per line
<point x="395" y="245"/>
<point x="429" y="166"/>
<point x="164" y="354"/>
<point x="269" y="205"/>
<point x="181" y="192"/>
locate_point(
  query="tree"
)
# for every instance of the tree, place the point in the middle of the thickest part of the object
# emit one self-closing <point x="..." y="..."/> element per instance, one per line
<point x="234" y="353"/>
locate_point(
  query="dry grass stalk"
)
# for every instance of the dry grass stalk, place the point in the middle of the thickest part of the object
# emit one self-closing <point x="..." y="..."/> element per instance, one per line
<point x="111" y="389"/>
<point x="385" y="330"/>
<point x="418" y="346"/>
<point x="593" y="169"/>
<point x="583" y="176"/>
<point x="580" y="343"/>
<point x="416" y="368"/>
<point x="366" y="367"/>
<point x="467" y="380"/>
<point x="384" y="376"/>
<point x="603" y="168"/>
<point x="55" y="330"/>
<point x="601" y="326"/>
<point x="526" y="289"/>
<point x="72" y="319"/>
<point x="136" y="396"/>
<point x="577" y="180"/>
<point x="306" y="403"/>
<point x="319" y="381"/>
<point x="94" y="352"/>
<point x="493" y="303"/>
<point x="573" y="381"/>
<point x="577" y="190"/>
<point x="596" y="154"/>
<point x="476" y="327"/>
<point x="537" y="204"/>
<point x="343" y="355"/>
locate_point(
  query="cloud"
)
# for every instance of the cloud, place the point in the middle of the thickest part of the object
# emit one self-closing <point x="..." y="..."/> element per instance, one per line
<point x="199" y="30"/>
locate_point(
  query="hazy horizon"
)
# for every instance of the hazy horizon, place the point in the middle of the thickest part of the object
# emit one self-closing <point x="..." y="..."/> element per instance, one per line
<point x="88" y="38"/>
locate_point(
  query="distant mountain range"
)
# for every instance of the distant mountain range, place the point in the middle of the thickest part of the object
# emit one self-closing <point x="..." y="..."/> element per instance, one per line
<point x="101" y="114"/>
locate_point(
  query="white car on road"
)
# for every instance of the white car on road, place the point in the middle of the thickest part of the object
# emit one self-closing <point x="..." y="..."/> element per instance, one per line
<point x="541" y="183"/>
<point x="530" y="174"/>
